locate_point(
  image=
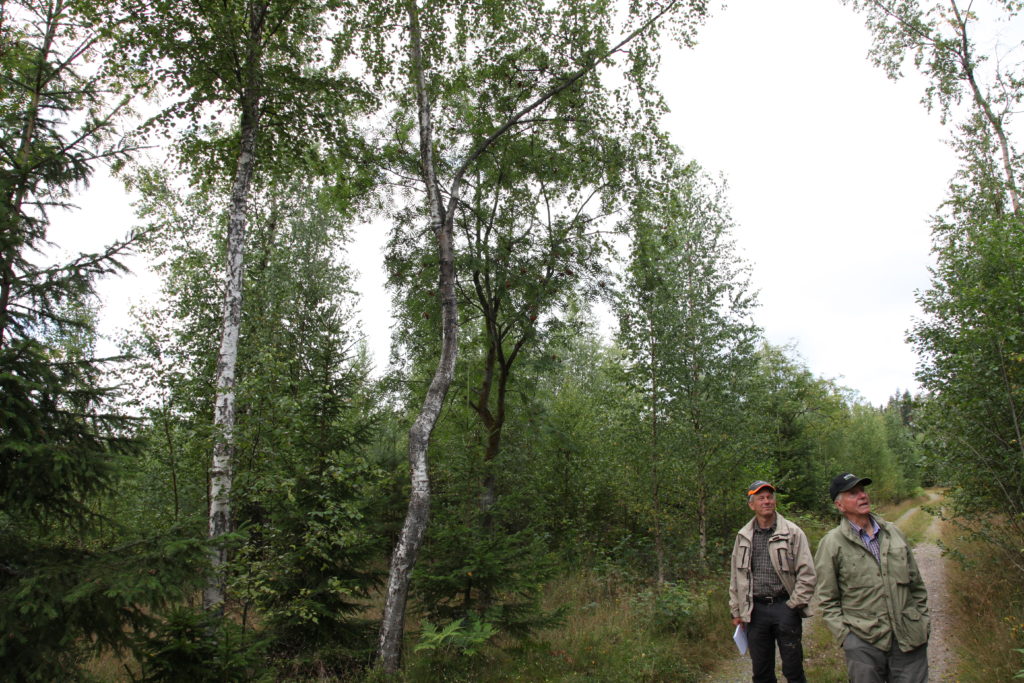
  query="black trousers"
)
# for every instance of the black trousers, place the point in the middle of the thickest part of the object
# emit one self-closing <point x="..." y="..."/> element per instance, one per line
<point x="771" y="624"/>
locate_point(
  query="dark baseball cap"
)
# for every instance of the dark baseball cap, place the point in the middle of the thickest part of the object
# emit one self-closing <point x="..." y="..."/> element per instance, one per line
<point x="845" y="482"/>
<point x="758" y="485"/>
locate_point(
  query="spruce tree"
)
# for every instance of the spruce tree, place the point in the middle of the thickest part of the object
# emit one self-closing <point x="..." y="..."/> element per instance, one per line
<point x="68" y="579"/>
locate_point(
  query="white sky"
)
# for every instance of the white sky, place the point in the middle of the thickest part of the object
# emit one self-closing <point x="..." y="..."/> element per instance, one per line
<point x="833" y="171"/>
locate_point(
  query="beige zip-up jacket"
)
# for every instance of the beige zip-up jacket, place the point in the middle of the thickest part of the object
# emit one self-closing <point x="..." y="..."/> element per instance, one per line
<point x="790" y="555"/>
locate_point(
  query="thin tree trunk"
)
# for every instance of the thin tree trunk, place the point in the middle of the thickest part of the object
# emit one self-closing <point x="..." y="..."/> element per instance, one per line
<point x="15" y="195"/>
<point x="994" y="121"/>
<point x="222" y="466"/>
<point x="702" y="522"/>
<point x="492" y="423"/>
<point x="172" y="460"/>
<point x="221" y="469"/>
<point x="403" y="559"/>
<point x="659" y="541"/>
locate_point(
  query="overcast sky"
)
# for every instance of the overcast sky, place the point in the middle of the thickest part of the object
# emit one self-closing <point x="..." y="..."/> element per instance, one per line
<point x="833" y="171"/>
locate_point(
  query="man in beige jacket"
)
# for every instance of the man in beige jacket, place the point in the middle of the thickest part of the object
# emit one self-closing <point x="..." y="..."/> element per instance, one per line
<point x="770" y="587"/>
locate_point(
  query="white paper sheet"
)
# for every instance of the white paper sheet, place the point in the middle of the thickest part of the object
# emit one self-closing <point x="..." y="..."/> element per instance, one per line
<point x="740" y="636"/>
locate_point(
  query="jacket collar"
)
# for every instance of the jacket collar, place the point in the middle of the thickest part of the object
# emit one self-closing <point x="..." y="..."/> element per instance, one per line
<point x="781" y="527"/>
<point x="851" y="534"/>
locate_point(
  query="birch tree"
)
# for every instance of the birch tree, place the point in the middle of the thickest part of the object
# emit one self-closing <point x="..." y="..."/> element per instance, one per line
<point x="260" y="61"/>
<point x="969" y="341"/>
<point x="940" y="36"/>
<point x="301" y="482"/>
<point x="437" y="58"/>
<point x="530" y="236"/>
<point x="685" y="321"/>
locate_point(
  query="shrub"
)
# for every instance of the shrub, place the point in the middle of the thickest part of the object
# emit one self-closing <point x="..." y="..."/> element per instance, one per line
<point x="191" y="645"/>
<point x="676" y="608"/>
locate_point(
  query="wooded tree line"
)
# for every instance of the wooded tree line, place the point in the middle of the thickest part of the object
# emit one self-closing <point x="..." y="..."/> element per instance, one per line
<point x="242" y="448"/>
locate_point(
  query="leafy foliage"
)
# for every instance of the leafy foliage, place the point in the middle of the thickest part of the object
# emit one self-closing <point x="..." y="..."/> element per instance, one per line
<point x="685" y="326"/>
<point x="304" y="487"/>
<point x="970" y="340"/>
<point x="678" y="608"/>
<point x="555" y="449"/>
<point x="460" y="636"/>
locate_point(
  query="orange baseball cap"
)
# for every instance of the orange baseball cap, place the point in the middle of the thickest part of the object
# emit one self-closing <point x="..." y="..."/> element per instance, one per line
<point x="758" y="485"/>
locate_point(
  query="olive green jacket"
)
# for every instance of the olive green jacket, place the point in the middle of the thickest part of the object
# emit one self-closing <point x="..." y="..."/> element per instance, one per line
<point x="873" y="600"/>
<point x="791" y="557"/>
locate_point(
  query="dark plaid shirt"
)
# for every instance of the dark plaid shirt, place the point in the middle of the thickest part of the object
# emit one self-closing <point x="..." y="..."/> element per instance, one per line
<point x="766" y="581"/>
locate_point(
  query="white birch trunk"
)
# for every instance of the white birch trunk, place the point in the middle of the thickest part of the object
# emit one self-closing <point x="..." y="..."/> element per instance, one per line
<point x="227" y="358"/>
<point x="403" y="559"/>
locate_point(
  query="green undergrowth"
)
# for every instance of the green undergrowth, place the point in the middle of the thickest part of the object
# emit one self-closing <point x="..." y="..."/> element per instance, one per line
<point x="617" y="627"/>
<point x="613" y="631"/>
<point x="621" y="629"/>
<point x="986" y="608"/>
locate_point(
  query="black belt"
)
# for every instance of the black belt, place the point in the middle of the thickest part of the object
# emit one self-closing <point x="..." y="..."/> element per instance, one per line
<point x="772" y="599"/>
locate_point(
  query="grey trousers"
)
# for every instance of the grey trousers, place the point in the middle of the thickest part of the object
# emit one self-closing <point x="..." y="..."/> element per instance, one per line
<point x="865" y="663"/>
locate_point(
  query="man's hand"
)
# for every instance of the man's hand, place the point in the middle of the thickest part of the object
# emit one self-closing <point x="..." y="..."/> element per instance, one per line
<point x="736" y="621"/>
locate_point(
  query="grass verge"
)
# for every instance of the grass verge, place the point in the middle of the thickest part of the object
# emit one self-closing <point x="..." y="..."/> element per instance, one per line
<point x="916" y="526"/>
<point x="987" y="613"/>
<point x="613" y="632"/>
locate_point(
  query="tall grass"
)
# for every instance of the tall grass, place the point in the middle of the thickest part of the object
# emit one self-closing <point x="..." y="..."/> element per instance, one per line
<point x="987" y="611"/>
<point x="615" y="631"/>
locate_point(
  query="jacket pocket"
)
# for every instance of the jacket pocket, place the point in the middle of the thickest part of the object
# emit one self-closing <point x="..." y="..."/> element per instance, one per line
<point x="899" y="569"/>
<point x="864" y="623"/>
<point x="915" y="625"/>
<point x="784" y="559"/>
<point x="743" y="557"/>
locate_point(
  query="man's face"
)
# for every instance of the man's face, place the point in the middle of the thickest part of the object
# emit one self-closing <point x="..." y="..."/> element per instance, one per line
<point x="763" y="503"/>
<point x="854" y="502"/>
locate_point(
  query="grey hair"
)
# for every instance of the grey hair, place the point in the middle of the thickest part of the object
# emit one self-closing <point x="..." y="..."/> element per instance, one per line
<point x="750" y="498"/>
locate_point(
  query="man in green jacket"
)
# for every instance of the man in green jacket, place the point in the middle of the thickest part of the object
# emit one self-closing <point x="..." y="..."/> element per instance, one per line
<point x="870" y="593"/>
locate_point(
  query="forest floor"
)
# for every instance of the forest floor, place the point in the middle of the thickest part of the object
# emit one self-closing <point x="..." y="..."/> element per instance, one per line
<point x="923" y="530"/>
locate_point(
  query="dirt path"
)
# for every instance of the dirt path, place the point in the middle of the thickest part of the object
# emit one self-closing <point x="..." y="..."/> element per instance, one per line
<point x="941" y="658"/>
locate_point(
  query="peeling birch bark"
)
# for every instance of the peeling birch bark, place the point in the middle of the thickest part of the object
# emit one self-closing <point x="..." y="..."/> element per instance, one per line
<point x="403" y="559"/>
<point x="227" y="358"/>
